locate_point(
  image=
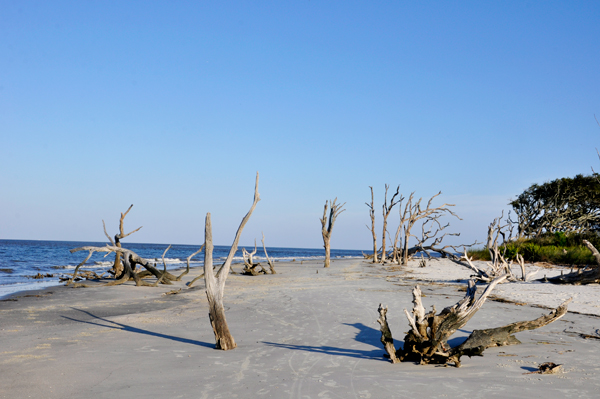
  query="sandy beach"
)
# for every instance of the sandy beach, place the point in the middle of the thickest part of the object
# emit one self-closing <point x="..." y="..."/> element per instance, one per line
<point x="306" y="332"/>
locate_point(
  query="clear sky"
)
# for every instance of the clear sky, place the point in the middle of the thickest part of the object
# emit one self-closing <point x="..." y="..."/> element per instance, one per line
<point x="174" y="106"/>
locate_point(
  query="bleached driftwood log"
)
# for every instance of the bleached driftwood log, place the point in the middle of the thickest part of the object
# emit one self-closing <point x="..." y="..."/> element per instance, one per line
<point x="427" y="340"/>
<point x="215" y="284"/>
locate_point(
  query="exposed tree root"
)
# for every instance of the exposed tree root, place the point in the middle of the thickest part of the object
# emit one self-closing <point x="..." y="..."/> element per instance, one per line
<point x="427" y="340"/>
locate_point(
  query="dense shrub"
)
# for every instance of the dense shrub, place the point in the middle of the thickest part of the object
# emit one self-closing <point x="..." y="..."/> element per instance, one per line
<point x="558" y="248"/>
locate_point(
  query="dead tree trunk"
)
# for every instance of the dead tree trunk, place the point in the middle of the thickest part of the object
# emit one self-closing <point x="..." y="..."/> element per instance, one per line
<point x="386" y="212"/>
<point x="396" y="251"/>
<point x="327" y="225"/>
<point x="427" y="340"/>
<point x="117" y="267"/>
<point x="215" y="285"/>
<point x="372" y="215"/>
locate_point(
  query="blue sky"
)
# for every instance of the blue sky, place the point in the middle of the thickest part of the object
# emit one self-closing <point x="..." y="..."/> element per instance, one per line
<point x="174" y="106"/>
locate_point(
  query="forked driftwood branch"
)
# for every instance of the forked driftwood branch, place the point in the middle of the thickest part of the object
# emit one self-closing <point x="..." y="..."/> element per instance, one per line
<point x="215" y="284"/>
<point x="117" y="266"/>
<point x="427" y="340"/>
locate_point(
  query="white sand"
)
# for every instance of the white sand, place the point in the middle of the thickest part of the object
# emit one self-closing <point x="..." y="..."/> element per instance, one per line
<point x="307" y="332"/>
<point x="586" y="299"/>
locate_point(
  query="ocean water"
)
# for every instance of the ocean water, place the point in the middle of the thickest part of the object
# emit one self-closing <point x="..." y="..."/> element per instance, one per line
<point x="22" y="259"/>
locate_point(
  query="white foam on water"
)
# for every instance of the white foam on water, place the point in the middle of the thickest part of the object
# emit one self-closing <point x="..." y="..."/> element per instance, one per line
<point x="9" y="289"/>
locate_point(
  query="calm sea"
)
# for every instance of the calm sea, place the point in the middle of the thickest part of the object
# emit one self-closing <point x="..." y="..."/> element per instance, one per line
<point x="22" y="259"/>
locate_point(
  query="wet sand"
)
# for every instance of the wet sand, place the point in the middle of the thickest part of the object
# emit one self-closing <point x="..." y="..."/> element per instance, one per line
<point x="306" y="332"/>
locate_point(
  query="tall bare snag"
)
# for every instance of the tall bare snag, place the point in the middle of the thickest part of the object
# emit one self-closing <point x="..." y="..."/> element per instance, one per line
<point x="372" y="215"/>
<point x="215" y="285"/>
<point x="387" y="209"/>
<point x="327" y="225"/>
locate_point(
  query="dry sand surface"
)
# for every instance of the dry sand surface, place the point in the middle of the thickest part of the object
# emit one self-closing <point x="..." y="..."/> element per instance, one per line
<point x="306" y="332"/>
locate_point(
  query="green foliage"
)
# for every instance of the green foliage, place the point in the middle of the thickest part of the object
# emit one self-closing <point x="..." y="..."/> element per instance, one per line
<point x="570" y="204"/>
<point x="561" y="238"/>
<point x="558" y="248"/>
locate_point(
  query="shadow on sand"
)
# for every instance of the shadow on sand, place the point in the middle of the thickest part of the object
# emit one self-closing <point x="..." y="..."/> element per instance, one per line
<point x="124" y="327"/>
<point x="365" y="334"/>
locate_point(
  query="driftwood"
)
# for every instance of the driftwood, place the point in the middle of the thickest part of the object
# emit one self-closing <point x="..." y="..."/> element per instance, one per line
<point x="215" y="284"/>
<point x="251" y="268"/>
<point x="327" y="225"/>
<point x="117" y="266"/>
<point x="427" y="340"/>
<point x="581" y="276"/>
<point x="499" y="265"/>
<point x="129" y="260"/>
<point x="187" y="269"/>
<point x="269" y="260"/>
<point x="249" y="265"/>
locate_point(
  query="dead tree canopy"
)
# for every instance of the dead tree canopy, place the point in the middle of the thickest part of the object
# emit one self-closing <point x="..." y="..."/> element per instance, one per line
<point x="431" y="217"/>
<point x="411" y="214"/>
<point x="427" y="340"/>
<point x="215" y="284"/>
<point x="327" y="222"/>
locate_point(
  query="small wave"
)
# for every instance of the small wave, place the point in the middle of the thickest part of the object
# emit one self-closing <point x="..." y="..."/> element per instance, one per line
<point x="6" y="270"/>
<point x="103" y="263"/>
<point x="72" y="267"/>
<point x="167" y="260"/>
